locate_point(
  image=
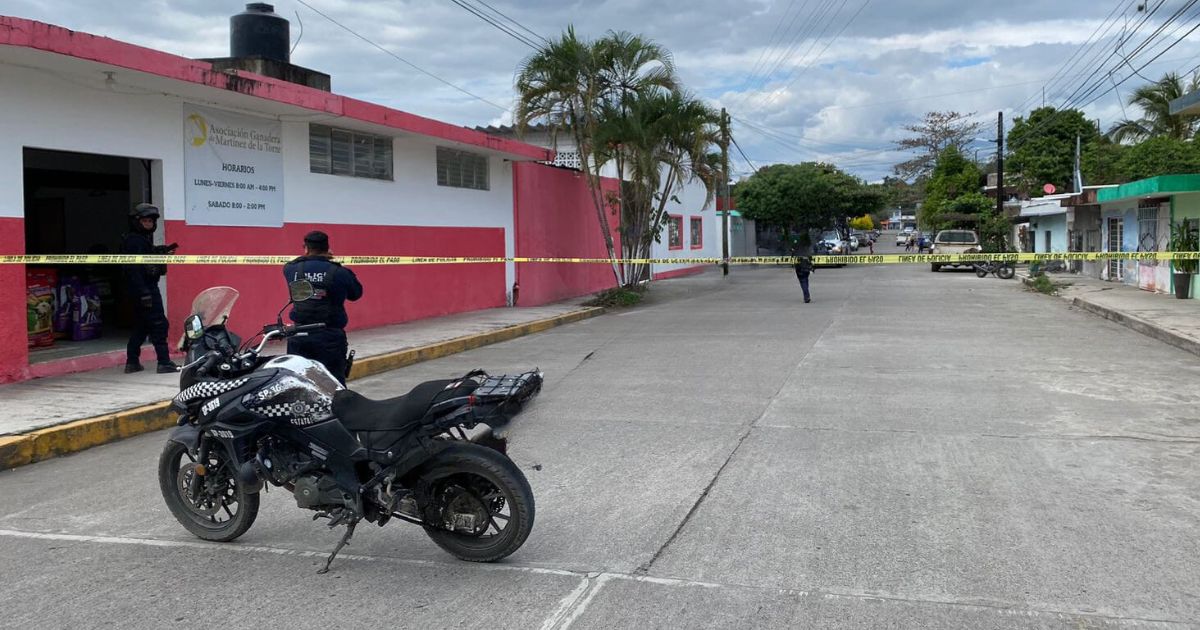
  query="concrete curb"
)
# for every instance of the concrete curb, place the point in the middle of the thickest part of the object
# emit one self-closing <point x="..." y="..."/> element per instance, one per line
<point x="1133" y="322"/>
<point x="78" y="435"/>
<point x="1140" y="325"/>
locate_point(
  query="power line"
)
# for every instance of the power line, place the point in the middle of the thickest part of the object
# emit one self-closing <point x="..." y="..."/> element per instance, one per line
<point x="514" y="22"/>
<point x="401" y="59"/>
<point x="504" y="29"/>
<point x="790" y="80"/>
<point x="796" y="38"/>
<point x="1076" y="102"/>
<point x="1075" y="57"/>
<point x="743" y="153"/>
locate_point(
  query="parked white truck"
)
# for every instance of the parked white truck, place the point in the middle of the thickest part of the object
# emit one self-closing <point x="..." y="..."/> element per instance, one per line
<point x="954" y="242"/>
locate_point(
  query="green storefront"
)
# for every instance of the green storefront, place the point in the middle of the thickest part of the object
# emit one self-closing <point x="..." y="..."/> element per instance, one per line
<point x="1138" y="217"/>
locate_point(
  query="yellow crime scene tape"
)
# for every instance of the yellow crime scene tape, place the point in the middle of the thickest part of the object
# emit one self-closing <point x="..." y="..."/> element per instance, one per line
<point x="850" y="259"/>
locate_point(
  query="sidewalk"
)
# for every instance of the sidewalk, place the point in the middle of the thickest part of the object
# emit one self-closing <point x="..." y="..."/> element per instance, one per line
<point x="50" y="416"/>
<point x="1158" y="315"/>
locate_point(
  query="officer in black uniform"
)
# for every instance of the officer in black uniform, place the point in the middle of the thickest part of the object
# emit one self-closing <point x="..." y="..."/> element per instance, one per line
<point x="332" y="284"/>
<point x="150" y="320"/>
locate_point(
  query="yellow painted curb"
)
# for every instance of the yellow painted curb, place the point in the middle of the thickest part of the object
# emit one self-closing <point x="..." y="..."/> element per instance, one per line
<point x="383" y="362"/>
<point x="71" y="437"/>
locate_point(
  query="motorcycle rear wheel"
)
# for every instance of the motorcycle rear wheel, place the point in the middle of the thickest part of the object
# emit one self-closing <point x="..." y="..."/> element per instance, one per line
<point x="981" y="271"/>
<point x="1006" y="272"/>
<point x="222" y="511"/>
<point x="483" y="501"/>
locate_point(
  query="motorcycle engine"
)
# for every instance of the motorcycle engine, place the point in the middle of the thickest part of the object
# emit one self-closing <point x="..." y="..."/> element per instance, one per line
<point x="318" y="491"/>
<point x="313" y="489"/>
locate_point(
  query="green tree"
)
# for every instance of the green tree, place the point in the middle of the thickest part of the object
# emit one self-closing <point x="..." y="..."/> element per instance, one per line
<point x="1162" y="155"/>
<point x="1043" y="147"/>
<point x="936" y="132"/>
<point x="953" y="176"/>
<point x="1154" y="100"/>
<point x="1101" y="162"/>
<point x="568" y="85"/>
<point x="801" y="197"/>
<point x="663" y="141"/>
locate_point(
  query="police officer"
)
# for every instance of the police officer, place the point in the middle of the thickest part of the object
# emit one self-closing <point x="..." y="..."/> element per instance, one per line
<point x="332" y="284"/>
<point x="802" y="251"/>
<point x="150" y="320"/>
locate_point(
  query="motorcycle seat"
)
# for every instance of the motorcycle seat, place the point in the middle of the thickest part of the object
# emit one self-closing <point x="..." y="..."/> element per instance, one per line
<point x="361" y="414"/>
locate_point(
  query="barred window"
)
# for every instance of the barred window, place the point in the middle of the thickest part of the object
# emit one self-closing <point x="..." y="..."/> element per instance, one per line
<point x="674" y="231"/>
<point x="697" y="234"/>
<point x="1147" y="227"/>
<point x="343" y="152"/>
<point x="460" y="169"/>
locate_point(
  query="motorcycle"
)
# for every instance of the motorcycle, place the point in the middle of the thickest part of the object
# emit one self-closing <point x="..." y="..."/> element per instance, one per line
<point x="248" y="421"/>
<point x="1003" y="270"/>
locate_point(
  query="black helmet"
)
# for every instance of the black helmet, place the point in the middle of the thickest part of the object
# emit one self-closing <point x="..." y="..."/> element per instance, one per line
<point x="144" y="210"/>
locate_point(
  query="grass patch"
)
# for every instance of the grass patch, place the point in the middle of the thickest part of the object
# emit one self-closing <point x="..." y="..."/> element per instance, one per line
<point x="620" y="297"/>
<point x="1043" y="284"/>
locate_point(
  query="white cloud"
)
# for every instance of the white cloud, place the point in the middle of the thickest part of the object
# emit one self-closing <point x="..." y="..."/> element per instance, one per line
<point x="893" y="63"/>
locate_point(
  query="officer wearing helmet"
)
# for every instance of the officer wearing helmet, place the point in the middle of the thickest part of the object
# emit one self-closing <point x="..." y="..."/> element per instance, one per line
<point x="332" y="285"/>
<point x="149" y="318"/>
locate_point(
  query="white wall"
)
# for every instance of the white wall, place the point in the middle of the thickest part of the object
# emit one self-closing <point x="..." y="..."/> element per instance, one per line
<point x="66" y="110"/>
<point x="691" y="204"/>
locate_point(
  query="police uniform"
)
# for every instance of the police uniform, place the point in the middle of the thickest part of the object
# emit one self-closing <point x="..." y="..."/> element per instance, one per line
<point x="332" y="284"/>
<point x="149" y="318"/>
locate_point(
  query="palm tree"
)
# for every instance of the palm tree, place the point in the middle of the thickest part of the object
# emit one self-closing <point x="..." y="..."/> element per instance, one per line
<point x="560" y="85"/>
<point x="663" y="139"/>
<point x="571" y="83"/>
<point x="1155" y="101"/>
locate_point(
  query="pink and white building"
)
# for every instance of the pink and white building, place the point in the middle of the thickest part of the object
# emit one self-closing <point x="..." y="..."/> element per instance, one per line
<point x="90" y="126"/>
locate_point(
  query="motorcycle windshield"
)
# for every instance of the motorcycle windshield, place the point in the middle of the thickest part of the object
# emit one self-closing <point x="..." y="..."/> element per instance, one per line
<point x="214" y="304"/>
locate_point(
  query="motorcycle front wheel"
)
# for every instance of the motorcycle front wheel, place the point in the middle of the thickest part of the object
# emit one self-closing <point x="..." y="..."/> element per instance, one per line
<point x="478" y="504"/>
<point x="214" y="506"/>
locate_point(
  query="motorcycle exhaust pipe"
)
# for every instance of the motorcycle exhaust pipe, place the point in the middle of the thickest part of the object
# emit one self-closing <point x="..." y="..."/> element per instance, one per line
<point x="484" y="435"/>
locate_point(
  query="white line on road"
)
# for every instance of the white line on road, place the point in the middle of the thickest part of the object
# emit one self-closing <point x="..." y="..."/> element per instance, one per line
<point x="573" y="605"/>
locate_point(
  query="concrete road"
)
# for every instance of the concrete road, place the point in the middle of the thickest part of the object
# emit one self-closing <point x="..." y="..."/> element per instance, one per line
<point x="910" y="450"/>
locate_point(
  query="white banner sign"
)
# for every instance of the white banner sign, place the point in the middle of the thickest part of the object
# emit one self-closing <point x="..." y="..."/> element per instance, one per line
<point x="233" y="168"/>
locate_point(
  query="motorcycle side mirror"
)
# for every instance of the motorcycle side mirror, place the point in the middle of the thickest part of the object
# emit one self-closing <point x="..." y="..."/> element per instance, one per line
<point x="193" y="327"/>
<point x="300" y="290"/>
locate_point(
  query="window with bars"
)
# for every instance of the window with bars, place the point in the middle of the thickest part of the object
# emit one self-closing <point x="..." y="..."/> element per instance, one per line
<point x="697" y="232"/>
<point x="1147" y="228"/>
<point x="461" y="169"/>
<point x="334" y="151"/>
<point x="674" y="231"/>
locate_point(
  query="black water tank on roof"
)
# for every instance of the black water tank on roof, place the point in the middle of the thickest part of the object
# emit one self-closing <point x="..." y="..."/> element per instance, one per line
<point x="258" y="32"/>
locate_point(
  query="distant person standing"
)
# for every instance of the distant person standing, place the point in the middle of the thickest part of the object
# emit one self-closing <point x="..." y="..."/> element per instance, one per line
<point x="804" y="267"/>
<point x="332" y="284"/>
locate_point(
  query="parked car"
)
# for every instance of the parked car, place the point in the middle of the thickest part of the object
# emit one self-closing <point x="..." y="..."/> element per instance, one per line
<point x="901" y="238"/>
<point x="831" y="243"/>
<point x="954" y="242"/>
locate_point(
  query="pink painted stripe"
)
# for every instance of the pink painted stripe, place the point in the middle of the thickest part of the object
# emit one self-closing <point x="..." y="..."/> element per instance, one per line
<point x="89" y="362"/>
<point x="56" y="39"/>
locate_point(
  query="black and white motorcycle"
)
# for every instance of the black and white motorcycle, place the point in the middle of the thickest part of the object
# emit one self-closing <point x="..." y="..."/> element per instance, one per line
<point x="428" y="457"/>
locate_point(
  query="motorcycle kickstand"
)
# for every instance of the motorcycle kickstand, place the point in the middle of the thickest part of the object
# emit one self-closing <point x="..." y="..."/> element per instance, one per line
<point x="341" y="543"/>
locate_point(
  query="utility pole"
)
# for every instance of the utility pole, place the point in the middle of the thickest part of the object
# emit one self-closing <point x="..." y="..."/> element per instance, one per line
<point x="1000" y="164"/>
<point x="725" y="185"/>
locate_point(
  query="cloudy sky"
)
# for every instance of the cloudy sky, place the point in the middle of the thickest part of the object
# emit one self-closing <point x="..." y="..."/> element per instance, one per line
<point x="832" y="80"/>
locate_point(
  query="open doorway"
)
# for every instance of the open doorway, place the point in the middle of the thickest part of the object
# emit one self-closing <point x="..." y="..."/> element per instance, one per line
<point x="78" y="203"/>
